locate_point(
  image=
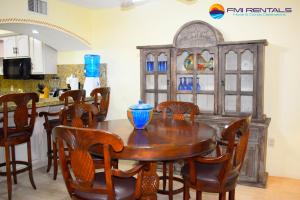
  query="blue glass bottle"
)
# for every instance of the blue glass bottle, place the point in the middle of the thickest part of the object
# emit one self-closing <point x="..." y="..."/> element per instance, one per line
<point x="160" y="66"/>
<point x="180" y="86"/>
<point x="149" y="66"/>
<point x="191" y="83"/>
<point x="165" y="66"/>
<point x="185" y="85"/>
<point x="198" y="85"/>
<point x="152" y="66"/>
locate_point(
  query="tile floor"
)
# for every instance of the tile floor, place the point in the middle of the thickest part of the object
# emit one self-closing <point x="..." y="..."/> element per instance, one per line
<point x="47" y="189"/>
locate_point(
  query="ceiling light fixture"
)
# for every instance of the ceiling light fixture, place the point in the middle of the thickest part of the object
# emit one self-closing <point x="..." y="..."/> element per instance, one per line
<point x="35" y="31"/>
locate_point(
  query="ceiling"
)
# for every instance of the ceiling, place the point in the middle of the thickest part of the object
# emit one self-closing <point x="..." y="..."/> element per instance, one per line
<point x="58" y="40"/>
<point x="101" y="3"/>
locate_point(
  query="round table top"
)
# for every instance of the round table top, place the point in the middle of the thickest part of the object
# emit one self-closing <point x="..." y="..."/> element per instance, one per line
<point x="162" y="139"/>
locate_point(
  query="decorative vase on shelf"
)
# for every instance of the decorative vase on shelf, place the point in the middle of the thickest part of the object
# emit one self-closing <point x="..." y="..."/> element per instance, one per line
<point x="150" y="66"/>
<point x="180" y="86"/>
<point x="198" y="85"/>
<point x="185" y="85"/>
<point x="190" y="83"/>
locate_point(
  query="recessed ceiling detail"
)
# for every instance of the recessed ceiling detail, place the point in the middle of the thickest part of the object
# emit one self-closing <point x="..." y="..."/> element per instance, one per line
<point x="106" y="3"/>
<point x="56" y="36"/>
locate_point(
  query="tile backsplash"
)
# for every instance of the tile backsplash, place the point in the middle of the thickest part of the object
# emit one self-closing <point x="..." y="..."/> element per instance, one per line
<point x="63" y="71"/>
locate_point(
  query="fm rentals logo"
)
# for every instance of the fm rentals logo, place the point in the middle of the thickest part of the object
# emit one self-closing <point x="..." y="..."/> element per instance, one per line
<point x="217" y="11"/>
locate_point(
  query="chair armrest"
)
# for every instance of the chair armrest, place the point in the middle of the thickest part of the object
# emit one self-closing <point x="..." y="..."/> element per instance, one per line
<point x="213" y="160"/>
<point x="129" y="173"/>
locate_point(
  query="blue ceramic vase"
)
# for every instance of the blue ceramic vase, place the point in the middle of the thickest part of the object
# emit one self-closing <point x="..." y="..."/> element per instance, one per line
<point x="140" y="115"/>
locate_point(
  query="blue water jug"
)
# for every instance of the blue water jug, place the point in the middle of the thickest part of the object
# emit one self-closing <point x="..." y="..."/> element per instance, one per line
<point x="92" y="65"/>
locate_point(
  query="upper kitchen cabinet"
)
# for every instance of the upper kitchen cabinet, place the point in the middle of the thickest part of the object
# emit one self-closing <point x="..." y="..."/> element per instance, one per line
<point x="1" y="57"/>
<point x="16" y="46"/>
<point x="43" y="57"/>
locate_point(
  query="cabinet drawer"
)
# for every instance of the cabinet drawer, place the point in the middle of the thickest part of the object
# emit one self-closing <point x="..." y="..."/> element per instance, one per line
<point x="254" y="135"/>
<point x="249" y="172"/>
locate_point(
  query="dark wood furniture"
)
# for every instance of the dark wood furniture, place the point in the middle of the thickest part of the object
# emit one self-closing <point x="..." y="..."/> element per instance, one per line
<point x="225" y="79"/>
<point x="52" y="119"/>
<point x="219" y="174"/>
<point x="17" y="133"/>
<point x="101" y="100"/>
<point x="179" y="111"/>
<point x="78" y="167"/>
<point x="80" y="115"/>
<point x="157" y="143"/>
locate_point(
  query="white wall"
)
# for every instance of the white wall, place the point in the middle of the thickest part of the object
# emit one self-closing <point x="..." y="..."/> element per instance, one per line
<point x="116" y="34"/>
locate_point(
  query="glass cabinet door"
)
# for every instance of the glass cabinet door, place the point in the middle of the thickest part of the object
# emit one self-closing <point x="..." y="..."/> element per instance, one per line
<point x="196" y="77"/>
<point x="156" y="75"/>
<point x="238" y="75"/>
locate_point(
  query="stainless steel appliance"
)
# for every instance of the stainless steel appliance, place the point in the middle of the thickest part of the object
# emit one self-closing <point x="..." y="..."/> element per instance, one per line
<point x="17" y="68"/>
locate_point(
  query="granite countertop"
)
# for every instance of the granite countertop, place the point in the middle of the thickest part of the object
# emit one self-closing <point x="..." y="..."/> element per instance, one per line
<point x="43" y="102"/>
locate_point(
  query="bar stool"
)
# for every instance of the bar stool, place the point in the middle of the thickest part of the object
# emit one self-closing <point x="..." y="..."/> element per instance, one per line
<point x="17" y="130"/>
<point x="69" y="97"/>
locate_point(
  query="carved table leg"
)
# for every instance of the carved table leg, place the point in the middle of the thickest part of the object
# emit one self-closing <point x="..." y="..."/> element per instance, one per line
<point x="150" y="183"/>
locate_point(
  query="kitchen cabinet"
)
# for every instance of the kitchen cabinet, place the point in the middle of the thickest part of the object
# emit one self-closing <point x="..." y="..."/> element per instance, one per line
<point x="225" y="79"/>
<point x="1" y="57"/>
<point x="16" y="46"/>
<point x="43" y="58"/>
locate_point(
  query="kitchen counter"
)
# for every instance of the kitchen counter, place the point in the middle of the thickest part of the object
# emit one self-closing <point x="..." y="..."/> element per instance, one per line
<point x="39" y="136"/>
<point x="44" y="102"/>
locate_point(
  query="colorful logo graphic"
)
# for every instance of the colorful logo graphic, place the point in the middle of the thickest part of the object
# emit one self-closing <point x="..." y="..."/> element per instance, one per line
<point x="216" y="11"/>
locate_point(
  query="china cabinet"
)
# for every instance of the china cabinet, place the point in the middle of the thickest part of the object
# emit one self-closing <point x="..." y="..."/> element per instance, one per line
<point x="225" y="79"/>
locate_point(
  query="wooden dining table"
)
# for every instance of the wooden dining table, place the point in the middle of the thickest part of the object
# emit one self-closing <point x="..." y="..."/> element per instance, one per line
<point x="161" y="140"/>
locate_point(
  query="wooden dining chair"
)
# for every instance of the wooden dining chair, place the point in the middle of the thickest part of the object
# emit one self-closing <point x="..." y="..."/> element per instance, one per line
<point x="101" y="100"/>
<point x="52" y="119"/>
<point x="80" y="115"/>
<point x="219" y="174"/>
<point x="179" y="111"/>
<point x="78" y="168"/>
<point x="17" y="130"/>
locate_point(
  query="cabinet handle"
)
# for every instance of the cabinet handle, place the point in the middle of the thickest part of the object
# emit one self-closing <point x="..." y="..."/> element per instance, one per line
<point x="222" y="82"/>
<point x="15" y="50"/>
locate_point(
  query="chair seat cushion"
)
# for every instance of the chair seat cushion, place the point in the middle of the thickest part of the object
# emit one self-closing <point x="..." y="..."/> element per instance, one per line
<point x="207" y="175"/>
<point x="54" y="122"/>
<point x="16" y="138"/>
<point x="124" y="188"/>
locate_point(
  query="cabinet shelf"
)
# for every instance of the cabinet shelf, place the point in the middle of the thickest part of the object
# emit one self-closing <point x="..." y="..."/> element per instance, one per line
<point x="240" y="92"/>
<point x="185" y="72"/>
<point x="206" y="92"/>
<point x="239" y="72"/>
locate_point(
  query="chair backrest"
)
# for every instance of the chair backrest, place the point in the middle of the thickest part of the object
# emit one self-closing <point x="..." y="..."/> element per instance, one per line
<point x="178" y="109"/>
<point x="80" y="115"/>
<point x="102" y="103"/>
<point x="80" y="173"/>
<point x="23" y="119"/>
<point x="234" y="139"/>
<point x="76" y="96"/>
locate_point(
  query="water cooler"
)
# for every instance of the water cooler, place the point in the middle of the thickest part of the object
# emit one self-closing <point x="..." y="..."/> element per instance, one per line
<point x="91" y="72"/>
